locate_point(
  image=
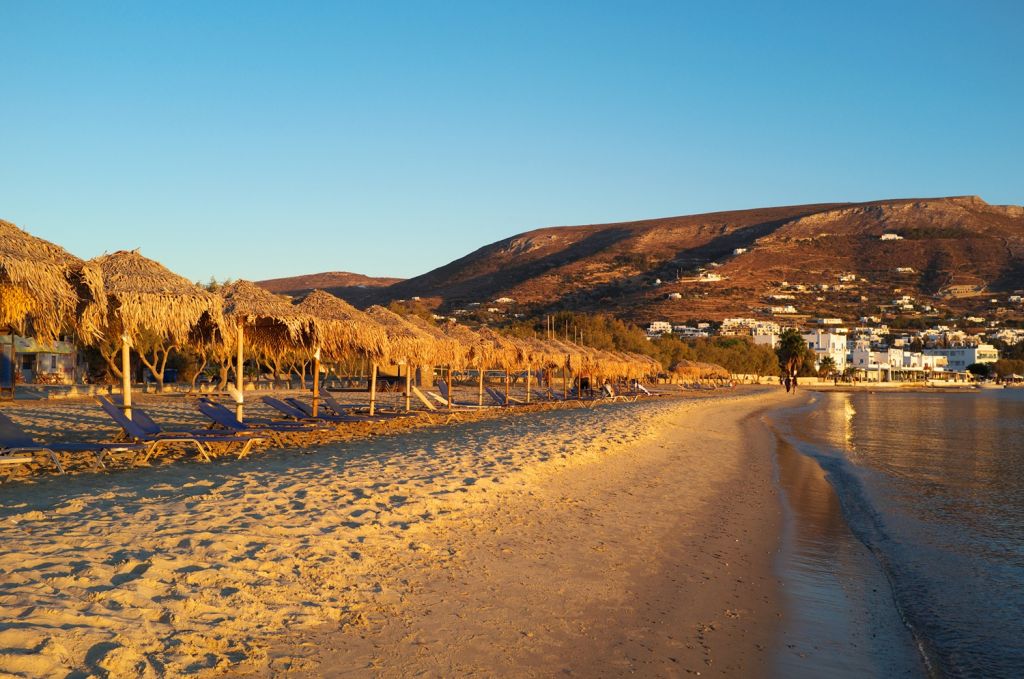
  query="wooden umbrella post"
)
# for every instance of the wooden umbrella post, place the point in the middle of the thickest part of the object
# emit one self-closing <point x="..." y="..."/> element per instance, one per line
<point x="373" y="389"/>
<point x="316" y="382"/>
<point x="126" y="376"/>
<point x="506" y="386"/>
<point x="451" y="388"/>
<point x="408" y="385"/>
<point x="528" y="376"/>
<point x="480" y="389"/>
<point x="565" y="385"/>
<point x="240" y="375"/>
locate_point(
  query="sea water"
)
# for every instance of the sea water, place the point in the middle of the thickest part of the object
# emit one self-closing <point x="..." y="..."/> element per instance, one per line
<point x="928" y="558"/>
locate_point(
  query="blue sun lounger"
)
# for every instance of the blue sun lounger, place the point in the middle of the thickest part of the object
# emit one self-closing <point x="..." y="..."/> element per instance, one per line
<point x="203" y="441"/>
<point x="17" y="447"/>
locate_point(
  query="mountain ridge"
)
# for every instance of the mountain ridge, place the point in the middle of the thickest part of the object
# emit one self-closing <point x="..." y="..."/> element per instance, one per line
<point x="633" y="268"/>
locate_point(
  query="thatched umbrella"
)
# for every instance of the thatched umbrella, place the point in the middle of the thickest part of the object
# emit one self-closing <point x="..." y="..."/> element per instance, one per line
<point x="698" y="370"/>
<point x="42" y="282"/>
<point x="269" y="321"/>
<point x="143" y="294"/>
<point x="480" y="352"/>
<point x="448" y="351"/>
<point x="408" y="344"/>
<point x="341" y="330"/>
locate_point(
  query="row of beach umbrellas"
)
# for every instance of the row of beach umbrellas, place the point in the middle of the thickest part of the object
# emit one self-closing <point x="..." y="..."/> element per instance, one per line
<point x="117" y="297"/>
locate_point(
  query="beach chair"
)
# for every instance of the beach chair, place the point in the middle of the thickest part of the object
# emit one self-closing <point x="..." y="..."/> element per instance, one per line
<point x="335" y="418"/>
<point x="224" y="417"/>
<point x="203" y="442"/>
<point x="332" y="403"/>
<point x="17" y="447"/>
<point x="445" y="396"/>
<point x="287" y="409"/>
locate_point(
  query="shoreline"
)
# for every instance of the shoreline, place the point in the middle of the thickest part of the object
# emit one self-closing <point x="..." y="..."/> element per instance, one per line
<point x="842" y="616"/>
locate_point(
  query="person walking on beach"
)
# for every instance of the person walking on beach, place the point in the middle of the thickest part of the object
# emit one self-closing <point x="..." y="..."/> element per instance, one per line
<point x="786" y="382"/>
<point x="794" y="384"/>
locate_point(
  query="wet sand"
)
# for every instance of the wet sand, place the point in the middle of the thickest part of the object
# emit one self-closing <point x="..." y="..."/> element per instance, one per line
<point x="631" y="538"/>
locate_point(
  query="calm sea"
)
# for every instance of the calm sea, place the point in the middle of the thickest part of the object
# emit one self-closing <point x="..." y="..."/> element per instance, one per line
<point x="929" y="556"/>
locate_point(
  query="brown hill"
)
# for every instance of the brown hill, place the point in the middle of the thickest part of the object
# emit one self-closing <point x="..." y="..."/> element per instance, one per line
<point x="342" y="283"/>
<point x="615" y="267"/>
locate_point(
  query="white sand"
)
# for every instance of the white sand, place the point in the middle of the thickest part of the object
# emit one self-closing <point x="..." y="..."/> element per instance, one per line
<point x="447" y="551"/>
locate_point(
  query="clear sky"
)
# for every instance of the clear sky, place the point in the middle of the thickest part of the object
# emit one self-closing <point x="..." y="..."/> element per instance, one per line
<point x="256" y="140"/>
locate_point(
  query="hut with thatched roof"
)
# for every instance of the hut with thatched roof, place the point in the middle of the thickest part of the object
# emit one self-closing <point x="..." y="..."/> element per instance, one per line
<point x="144" y="296"/>
<point x="46" y="290"/>
<point x="265" y="322"/>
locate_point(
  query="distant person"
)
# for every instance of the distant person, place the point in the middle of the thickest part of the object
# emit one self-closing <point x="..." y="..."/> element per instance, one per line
<point x="794" y="384"/>
<point x="787" y="383"/>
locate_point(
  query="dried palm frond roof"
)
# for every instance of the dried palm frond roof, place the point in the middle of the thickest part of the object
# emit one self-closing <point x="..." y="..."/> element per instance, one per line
<point x="341" y="329"/>
<point x="507" y="353"/>
<point x="447" y="350"/>
<point x="407" y="342"/>
<point x="699" y="370"/>
<point x="270" y="323"/>
<point x="45" y="283"/>
<point x="144" y="295"/>
<point x="480" y="353"/>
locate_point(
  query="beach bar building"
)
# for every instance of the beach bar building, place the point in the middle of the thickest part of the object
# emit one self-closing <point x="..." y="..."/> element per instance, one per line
<point x="44" y="292"/>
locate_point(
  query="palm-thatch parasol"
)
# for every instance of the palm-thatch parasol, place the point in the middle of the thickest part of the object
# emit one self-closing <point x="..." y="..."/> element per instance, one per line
<point x="698" y="370"/>
<point x="42" y="282"/>
<point x="144" y="295"/>
<point x="481" y="353"/>
<point x="409" y="345"/>
<point x="448" y="351"/>
<point x="269" y="322"/>
<point x="341" y="330"/>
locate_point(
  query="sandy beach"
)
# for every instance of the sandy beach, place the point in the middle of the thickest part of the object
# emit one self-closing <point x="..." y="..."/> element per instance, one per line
<point x="625" y="539"/>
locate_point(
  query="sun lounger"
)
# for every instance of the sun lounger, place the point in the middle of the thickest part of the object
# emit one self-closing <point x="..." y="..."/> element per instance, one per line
<point x="287" y="409"/>
<point x="442" y="386"/>
<point x="224" y="417"/>
<point x="203" y="442"/>
<point x="307" y="411"/>
<point x="332" y="403"/>
<point x="17" y="447"/>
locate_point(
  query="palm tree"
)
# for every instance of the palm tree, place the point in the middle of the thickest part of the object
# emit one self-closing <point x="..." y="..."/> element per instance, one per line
<point x="791" y="351"/>
<point x="826" y="367"/>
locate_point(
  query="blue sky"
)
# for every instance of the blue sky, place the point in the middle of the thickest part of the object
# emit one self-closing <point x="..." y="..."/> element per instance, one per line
<point x="256" y="140"/>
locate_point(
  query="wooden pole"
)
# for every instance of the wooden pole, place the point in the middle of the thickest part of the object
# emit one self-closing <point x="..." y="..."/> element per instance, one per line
<point x="565" y="385"/>
<point x="316" y="381"/>
<point x="451" y="388"/>
<point x="373" y="389"/>
<point x="528" y="376"/>
<point x="506" y="386"/>
<point x="408" y="385"/>
<point x="126" y="376"/>
<point x="240" y="375"/>
<point x="15" y="368"/>
<point x="480" y="389"/>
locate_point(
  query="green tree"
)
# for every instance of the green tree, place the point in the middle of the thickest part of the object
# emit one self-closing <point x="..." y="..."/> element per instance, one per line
<point x="792" y="351"/>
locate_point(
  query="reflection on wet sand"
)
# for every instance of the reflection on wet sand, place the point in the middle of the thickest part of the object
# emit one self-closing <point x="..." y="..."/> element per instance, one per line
<point x="841" y="618"/>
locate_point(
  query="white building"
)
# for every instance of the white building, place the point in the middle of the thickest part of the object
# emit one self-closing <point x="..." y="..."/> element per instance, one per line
<point x="832" y="343"/>
<point x="961" y="357"/>
<point x="659" y="328"/>
<point x="739" y="251"/>
<point x="890" y="236"/>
